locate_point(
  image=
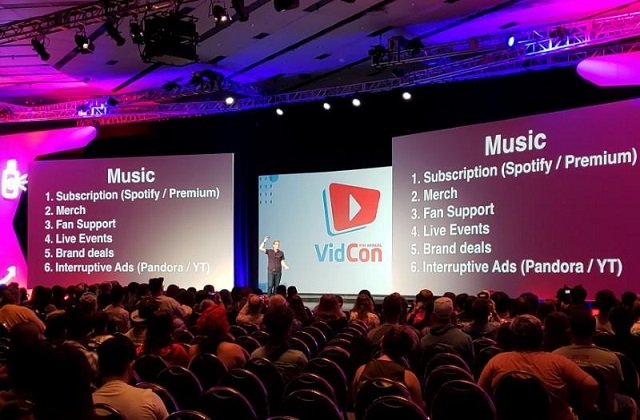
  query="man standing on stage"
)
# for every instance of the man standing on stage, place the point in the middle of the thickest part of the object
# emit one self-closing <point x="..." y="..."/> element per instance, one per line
<point x="276" y="262"/>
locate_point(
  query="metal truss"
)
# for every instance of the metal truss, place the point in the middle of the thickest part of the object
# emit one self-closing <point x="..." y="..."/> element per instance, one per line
<point x="87" y="14"/>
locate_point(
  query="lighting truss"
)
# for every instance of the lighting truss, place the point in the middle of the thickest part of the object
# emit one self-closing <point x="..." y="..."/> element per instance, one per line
<point x="85" y="14"/>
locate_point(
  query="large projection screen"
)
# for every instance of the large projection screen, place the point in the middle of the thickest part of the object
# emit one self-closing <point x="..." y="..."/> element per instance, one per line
<point x="526" y="204"/>
<point x="130" y="219"/>
<point x="334" y="229"/>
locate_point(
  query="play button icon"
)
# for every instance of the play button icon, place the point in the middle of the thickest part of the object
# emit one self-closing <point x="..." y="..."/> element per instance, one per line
<point x="348" y="207"/>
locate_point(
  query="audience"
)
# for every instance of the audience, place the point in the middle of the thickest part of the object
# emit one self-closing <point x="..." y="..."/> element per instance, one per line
<point x="363" y="310"/>
<point x="443" y="331"/>
<point x="159" y="340"/>
<point x="215" y="339"/>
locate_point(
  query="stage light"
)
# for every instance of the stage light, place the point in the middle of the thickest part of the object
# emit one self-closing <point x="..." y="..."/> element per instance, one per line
<point x="83" y="110"/>
<point x="220" y="15"/>
<point x="511" y="41"/>
<point x="83" y="44"/>
<point x="242" y="13"/>
<point x="229" y="100"/>
<point x="137" y="35"/>
<point x="326" y="106"/>
<point x="279" y="112"/>
<point x="406" y="96"/>
<point x="114" y="33"/>
<point x="38" y="47"/>
<point x="356" y="102"/>
<point x="282" y="5"/>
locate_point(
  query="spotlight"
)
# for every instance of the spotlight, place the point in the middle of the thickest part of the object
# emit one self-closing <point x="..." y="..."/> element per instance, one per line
<point x="83" y="43"/>
<point x="406" y="96"/>
<point x="229" y="100"/>
<point x="38" y="47"/>
<point x="279" y="112"/>
<point x="137" y="35"/>
<point x="511" y="41"/>
<point x="356" y="102"/>
<point x="114" y="33"/>
<point x="242" y="13"/>
<point x="220" y="15"/>
<point x="282" y="5"/>
<point x="326" y="106"/>
<point x="82" y="110"/>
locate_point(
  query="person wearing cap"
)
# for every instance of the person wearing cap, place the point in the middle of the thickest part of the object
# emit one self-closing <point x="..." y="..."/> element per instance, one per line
<point x="139" y="316"/>
<point x="167" y="303"/>
<point x="443" y="331"/>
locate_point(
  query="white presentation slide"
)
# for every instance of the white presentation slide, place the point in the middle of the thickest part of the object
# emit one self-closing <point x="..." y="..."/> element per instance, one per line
<point x="130" y="219"/>
<point x="334" y="229"/>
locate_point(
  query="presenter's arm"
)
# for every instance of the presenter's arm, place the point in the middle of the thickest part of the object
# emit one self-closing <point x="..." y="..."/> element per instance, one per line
<point x="284" y="264"/>
<point x="263" y="243"/>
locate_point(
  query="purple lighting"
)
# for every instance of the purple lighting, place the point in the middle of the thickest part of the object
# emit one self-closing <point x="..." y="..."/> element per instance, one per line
<point x="17" y="151"/>
<point x="611" y="70"/>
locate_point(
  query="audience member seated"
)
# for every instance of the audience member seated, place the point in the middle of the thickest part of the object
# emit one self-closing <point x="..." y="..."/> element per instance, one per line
<point x="167" y="303"/>
<point x="444" y="332"/>
<point x="605" y="301"/>
<point x="139" y="318"/>
<point x="562" y="377"/>
<point x="557" y="331"/>
<point x="278" y="322"/>
<point x="11" y="313"/>
<point x="79" y="326"/>
<point x="159" y="340"/>
<point x="397" y="344"/>
<point x="214" y="327"/>
<point x="420" y="315"/>
<point x="118" y="315"/>
<point x="621" y="319"/>
<point x="363" y="310"/>
<point x="301" y="312"/>
<point x="481" y="324"/>
<point x="251" y="312"/>
<point x="585" y="353"/>
<point x="394" y="308"/>
<point x="115" y="357"/>
<point x="329" y="310"/>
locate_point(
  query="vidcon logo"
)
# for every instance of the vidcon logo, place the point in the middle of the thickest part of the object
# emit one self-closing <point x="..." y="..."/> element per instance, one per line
<point x="348" y="208"/>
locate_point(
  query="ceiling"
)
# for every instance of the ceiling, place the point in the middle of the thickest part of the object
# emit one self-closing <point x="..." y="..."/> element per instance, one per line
<point x="319" y="44"/>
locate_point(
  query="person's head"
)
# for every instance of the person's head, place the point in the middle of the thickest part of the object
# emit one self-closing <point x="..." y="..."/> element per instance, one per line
<point x="502" y="301"/>
<point x="292" y="291"/>
<point x="214" y="323"/>
<point x="397" y="343"/>
<point x="277" y="322"/>
<point x="621" y="320"/>
<point x="545" y="308"/>
<point x="159" y="331"/>
<point x="277" y="300"/>
<point x="394" y="306"/>
<point x="254" y="304"/>
<point x="225" y="297"/>
<point x="578" y="295"/>
<point x="297" y="306"/>
<point x="442" y="311"/>
<point x="115" y="356"/>
<point x="275" y="245"/>
<point x="363" y="305"/>
<point x="527" y="333"/>
<point x="532" y="302"/>
<point x="117" y="294"/>
<point x="424" y="296"/>
<point x="328" y="308"/>
<point x="604" y="301"/>
<point x="155" y="285"/>
<point x="172" y="290"/>
<point x="629" y="298"/>
<point x="557" y="331"/>
<point x="146" y="307"/>
<point x="583" y="325"/>
<point x="100" y="322"/>
<point x="480" y="311"/>
<point x="281" y="290"/>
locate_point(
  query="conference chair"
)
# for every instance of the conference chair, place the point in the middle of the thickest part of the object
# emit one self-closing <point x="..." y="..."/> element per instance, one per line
<point x="248" y="343"/>
<point x="166" y="397"/>
<point x="308" y="404"/>
<point x="187" y="415"/>
<point x="183" y="385"/>
<point x="317" y="334"/>
<point x="394" y="407"/>
<point x="462" y="400"/>
<point x="333" y="373"/>
<point x="443" y="359"/>
<point x="147" y="367"/>
<point x="261" y="336"/>
<point x="440" y="376"/>
<point x="309" y="340"/>
<point x="251" y="387"/>
<point x="311" y="381"/>
<point x="208" y="368"/>
<point x="297" y="344"/>
<point x="237" y="331"/>
<point x="631" y="382"/>
<point x="225" y="403"/>
<point x="271" y="378"/>
<point x="104" y="411"/>
<point x="370" y="390"/>
<point x="520" y="395"/>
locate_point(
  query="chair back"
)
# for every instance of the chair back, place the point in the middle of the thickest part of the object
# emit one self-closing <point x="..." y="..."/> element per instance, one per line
<point x="394" y="407"/>
<point x="224" y="403"/>
<point x="249" y="385"/>
<point x="310" y="405"/>
<point x="297" y="344"/>
<point x="104" y="411"/>
<point x="318" y="334"/>
<point x="521" y="396"/>
<point x="325" y="328"/>
<point x="271" y="378"/>
<point x="481" y="343"/>
<point x="187" y="415"/>
<point x="311" y="381"/>
<point x="183" y="336"/>
<point x="630" y="382"/>
<point x="250" y="328"/>
<point x="440" y="376"/>
<point x="462" y="400"/>
<point x="607" y="387"/>
<point x="17" y="410"/>
<point x="483" y="357"/>
<point x="339" y="355"/>
<point x="248" y="343"/>
<point x="261" y="336"/>
<point x="333" y="373"/>
<point x="147" y="367"/>
<point x="309" y="340"/>
<point x="208" y="368"/>
<point x="183" y="385"/>
<point x="370" y="390"/>
<point x="237" y="331"/>
<point x="443" y="359"/>
<point x="342" y="340"/>
<point x="166" y="397"/>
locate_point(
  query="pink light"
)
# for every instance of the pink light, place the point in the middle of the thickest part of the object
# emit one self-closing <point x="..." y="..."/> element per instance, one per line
<point x="17" y="151"/>
<point x="611" y="70"/>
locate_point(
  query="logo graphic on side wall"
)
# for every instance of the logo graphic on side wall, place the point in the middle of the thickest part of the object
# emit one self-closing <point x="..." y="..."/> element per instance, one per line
<point x="348" y="208"/>
<point x="12" y="181"/>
